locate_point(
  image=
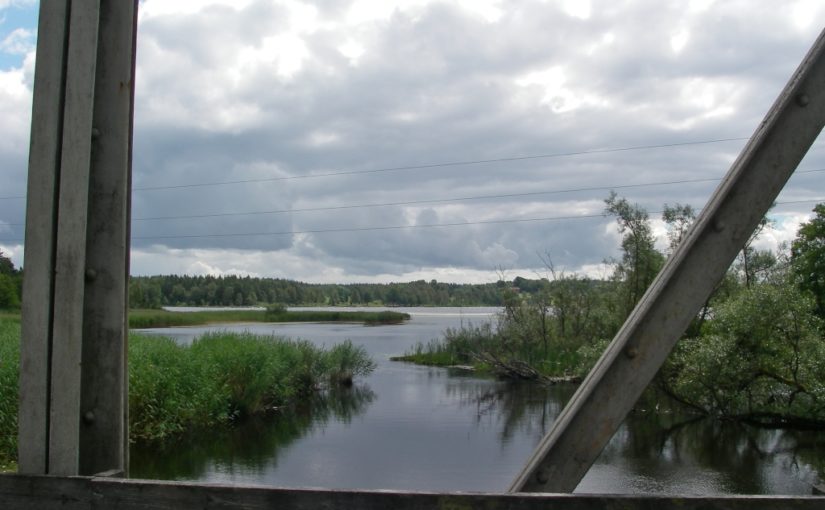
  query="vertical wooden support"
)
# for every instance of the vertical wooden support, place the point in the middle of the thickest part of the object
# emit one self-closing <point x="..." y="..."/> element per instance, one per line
<point x="104" y="403"/>
<point x="634" y="356"/>
<point x="73" y="353"/>
<point x="41" y="213"/>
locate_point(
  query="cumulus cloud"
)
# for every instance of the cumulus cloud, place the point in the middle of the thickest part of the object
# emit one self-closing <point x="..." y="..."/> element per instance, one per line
<point x="327" y="141"/>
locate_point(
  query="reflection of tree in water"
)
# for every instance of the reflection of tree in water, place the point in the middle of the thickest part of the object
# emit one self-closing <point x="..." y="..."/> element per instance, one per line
<point x="248" y="446"/>
<point x="657" y="440"/>
<point x="519" y="409"/>
<point x="752" y="460"/>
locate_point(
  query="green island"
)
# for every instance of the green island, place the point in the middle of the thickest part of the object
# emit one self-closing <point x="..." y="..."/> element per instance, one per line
<point x="154" y="318"/>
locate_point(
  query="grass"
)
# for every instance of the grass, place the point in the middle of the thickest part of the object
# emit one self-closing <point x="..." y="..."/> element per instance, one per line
<point x="9" y="361"/>
<point x="220" y="378"/>
<point x="139" y="319"/>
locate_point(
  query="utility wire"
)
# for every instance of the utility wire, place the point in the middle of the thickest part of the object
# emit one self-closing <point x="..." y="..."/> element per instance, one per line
<point x="401" y="227"/>
<point x="441" y="200"/>
<point x="397" y="227"/>
<point x="442" y="165"/>
<point x="433" y="201"/>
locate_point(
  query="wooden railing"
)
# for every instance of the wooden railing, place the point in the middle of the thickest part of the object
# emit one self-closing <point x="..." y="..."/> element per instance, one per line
<point x="80" y="493"/>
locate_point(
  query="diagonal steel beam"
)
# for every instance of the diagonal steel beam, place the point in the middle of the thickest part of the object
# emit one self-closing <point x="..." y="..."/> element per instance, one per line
<point x="643" y="343"/>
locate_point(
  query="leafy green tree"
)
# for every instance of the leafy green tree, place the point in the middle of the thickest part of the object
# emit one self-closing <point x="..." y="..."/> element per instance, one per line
<point x="9" y="284"/>
<point x="761" y="359"/>
<point x="640" y="261"/>
<point x="678" y="219"/>
<point x="808" y="257"/>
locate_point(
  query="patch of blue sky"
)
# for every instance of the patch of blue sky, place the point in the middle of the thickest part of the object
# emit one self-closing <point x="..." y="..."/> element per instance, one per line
<point x="18" y="29"/>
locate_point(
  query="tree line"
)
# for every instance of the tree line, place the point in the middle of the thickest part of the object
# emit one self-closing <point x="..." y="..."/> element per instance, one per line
<point x="182" y="290"/>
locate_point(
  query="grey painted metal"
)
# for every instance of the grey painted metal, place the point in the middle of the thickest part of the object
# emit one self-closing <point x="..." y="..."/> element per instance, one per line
<point x="70" y="255"/>
<point x="634" y="356"/>
<point x="44" y="157"/>
<point x="77" y="493"/>
<point x="104" y="404"/>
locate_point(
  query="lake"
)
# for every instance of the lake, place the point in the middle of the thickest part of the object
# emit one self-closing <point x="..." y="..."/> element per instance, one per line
<point x="409" y="427"/>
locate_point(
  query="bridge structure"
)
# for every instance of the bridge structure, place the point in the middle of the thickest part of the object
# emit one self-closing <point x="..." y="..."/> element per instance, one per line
<point x="73" y="419"/>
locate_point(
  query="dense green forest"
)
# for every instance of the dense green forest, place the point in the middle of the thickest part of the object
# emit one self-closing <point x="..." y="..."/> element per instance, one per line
<point x="173" y="290"/>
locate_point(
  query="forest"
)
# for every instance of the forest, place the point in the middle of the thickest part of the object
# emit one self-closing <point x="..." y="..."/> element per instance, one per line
<point x="174" y="290"/>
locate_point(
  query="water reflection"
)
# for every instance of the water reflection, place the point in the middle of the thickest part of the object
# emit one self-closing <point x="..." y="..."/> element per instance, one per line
<point x="517" y="409"/>
<point x="662" y="449"/>
<point x="251" y="446"/>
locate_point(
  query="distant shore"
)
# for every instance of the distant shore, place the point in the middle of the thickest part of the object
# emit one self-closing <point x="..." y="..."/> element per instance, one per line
<point x="145" y="319"/>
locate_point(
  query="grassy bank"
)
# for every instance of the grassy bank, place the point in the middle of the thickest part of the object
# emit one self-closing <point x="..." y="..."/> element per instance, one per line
<point x="165" y="319"/>
<point x="220" y="378"/>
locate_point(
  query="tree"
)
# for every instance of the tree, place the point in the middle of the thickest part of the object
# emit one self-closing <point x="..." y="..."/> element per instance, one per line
<point x="678" y="219"/>
<point x="9" y="284"/>
<point x="641" y="261"/>
<point x="6" y="265"/>
<point x="808" y="257"/>
<point x="760" y="360"/>
<point x="752" y="263"/>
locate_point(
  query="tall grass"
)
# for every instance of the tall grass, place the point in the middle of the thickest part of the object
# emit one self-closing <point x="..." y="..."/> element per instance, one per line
<point x="220" y="378"/>
<point x="9" y="361"/>
<point x="225" y="376"/>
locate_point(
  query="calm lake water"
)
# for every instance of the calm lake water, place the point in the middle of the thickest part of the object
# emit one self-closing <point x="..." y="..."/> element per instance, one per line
<point x="422" y="428"/>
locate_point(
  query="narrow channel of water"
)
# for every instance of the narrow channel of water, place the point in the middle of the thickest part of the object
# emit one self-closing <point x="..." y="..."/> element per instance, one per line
<point x="422" y="428"/>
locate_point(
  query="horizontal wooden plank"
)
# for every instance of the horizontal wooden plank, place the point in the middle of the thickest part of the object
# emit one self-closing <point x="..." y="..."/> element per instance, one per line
<point x="80" y="493"/>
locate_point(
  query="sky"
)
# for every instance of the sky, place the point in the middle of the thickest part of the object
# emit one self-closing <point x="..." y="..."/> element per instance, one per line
<point x="461" y="140"/>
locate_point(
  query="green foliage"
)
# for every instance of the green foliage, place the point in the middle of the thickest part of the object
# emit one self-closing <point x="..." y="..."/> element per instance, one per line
<point x="9" y="361"/>
<point x="140" y="319"/>
<point x="221" y="377"/>
<point x="11" y="282"/>
<point x="762" y="358"/>
<point x="640" y="261"/>
<point x="175" y="290"/>
<point x="808" y="257"/>
<point x="225" y="376"/>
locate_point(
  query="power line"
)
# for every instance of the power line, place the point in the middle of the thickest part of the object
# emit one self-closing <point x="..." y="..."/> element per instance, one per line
<point x="401" y="227"/>
<point x="433" y="201"/>
<point x="441" y="200"/>
<point x="441" y="165"/>
<point x="396" y="227"/>
<point x="427" y="166"/>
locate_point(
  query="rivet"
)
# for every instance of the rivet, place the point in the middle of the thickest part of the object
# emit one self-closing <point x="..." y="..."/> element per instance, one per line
<point x="631" y="352"/>
<point x="88" y="417"/>
<point x="91" y="274"/>
<point x="542" y="476"/>
<point x="803" y="100"/>
<point x="95" y="133"/>
<point x="718" y="225"/>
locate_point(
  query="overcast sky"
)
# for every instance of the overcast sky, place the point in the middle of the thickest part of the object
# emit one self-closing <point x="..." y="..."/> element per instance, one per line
<point x="345" y="120"/>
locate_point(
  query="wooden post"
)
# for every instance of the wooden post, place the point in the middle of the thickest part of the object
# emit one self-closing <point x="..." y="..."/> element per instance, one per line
<point x="609" y="392"/>
<point x="73" y="350"/>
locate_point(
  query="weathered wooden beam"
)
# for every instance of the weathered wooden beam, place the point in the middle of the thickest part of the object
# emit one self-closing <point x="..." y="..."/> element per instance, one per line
<point x="76" y="493"/>
<point x="70" y="255"/>
<point x="641" y="346"/>
<point x="104" y="401"/>
<point x="73" y="338"/>
<point x="41" y="213"/>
